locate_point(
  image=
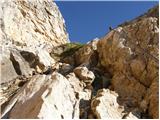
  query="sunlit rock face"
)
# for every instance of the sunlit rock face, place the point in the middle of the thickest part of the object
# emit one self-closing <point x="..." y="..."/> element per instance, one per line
<point x="105" y="106"/>
<point x="32" y="23"/>
<point x="130" y="54"/>
<point x="45" y="97"/>
<point x="43" y="77"/>
<point x="33" y="26"/>
<point x="29" y="30"/>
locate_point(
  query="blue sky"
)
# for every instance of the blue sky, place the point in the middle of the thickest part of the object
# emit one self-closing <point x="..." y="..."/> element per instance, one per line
<point x="88" y="20"/>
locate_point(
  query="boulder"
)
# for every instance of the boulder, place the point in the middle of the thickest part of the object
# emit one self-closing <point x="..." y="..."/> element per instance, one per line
<point x="7" y="72"/>
<point x="105" y="106"/>
<point x="41" y="77"/>
<point x="13" y="65"/>
<point x="78" y="54"/>
<point x="65" y="68"/>
<point x="45" y="96"/>
<point x="87" y="55"/>
<point x="82" y="94"/>
<point x="84" y="74"/>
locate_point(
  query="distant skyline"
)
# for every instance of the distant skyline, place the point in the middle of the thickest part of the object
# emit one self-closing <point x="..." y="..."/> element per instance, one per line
<point x="88" y="20"/>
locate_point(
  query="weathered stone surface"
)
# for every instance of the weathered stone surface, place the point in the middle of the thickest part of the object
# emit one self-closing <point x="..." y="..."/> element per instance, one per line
<point x="7" y="72"/>
<point x="130" y="55"/>
<point x="16" y="62"/>
<point x="84" y="74"/>
<point x="87" y="55"/>
<point x="45" y="97"/>
<point x="137" y="67"/>
<point x="105" y="106"/>
<point x="9" y="89"/>
<point x="65" y="68"/>
<point x="38" y="82"/>
<point x="13" y="64"/>
<point x="152" y="100"/>
<point x="32" y="23"/>
<point x="31" y="28"/>
<point x="75" y="82"/>
<point x="82" y="94"/>
<point x="28" y="32"/>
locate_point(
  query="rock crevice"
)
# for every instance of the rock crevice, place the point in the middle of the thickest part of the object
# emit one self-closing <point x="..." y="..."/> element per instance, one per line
<point x="44" y="76"/>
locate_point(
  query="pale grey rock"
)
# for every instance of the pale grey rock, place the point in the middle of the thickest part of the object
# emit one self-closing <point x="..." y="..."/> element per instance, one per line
<point x="105" y="106"/>
<point x="32" y="30"/>
<point x="7" y="72"/>
<point x="13" y="64"/>
<point x="75" y="82"/>
<point x="82" y="95"/>
<point x="45" y="96"/>
<point x="28" y="31"/>
<point x="32" y="23"/>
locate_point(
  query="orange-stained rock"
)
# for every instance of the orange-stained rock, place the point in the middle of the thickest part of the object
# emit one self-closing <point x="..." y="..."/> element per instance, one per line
<point x="130" y="54"/>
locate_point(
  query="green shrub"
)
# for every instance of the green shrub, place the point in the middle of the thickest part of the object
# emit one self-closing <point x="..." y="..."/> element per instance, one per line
<point x="71" y="48"/>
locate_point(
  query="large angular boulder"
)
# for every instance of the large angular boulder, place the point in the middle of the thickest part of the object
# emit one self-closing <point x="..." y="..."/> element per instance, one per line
<point x="84" y="74"/>
<point x="87" y="55"/>
<point x="105" y="106"/>
<point x="82" y="93"/>
<point x="84" y="56"/>
<point x="44" y="96"/>
<point x="13" y="65"/>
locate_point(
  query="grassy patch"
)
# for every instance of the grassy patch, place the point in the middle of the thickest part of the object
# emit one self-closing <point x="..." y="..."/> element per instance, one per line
<point x="71" y="48"/>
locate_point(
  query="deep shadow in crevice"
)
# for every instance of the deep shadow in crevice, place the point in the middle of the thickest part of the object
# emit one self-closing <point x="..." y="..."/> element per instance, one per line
<point x="84" y="106"/>
<point x="30" y="58"/>
<point x="130" y="106"/>
<point x="102" y="80"/>
<point x="15" y="64"/>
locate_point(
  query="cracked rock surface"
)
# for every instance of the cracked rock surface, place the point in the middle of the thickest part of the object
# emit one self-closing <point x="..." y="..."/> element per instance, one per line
<point x="115" y="76"/>
<point x="132" y="59"/>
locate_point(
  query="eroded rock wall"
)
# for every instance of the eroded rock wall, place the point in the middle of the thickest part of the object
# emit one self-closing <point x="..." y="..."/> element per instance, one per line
<point x="130" y="54"/>
<point x="29" y="27"/>
<point x="112" y="77"/>
<point x="29" y="30"/>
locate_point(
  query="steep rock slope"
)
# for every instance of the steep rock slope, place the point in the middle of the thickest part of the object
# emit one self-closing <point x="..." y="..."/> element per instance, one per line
<point x="130" y="54"/>
<point x="112" y="77"/>
<point x="126" y="61"/>
<point x="29" y="29"/>
<point x="32" y="23"/>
